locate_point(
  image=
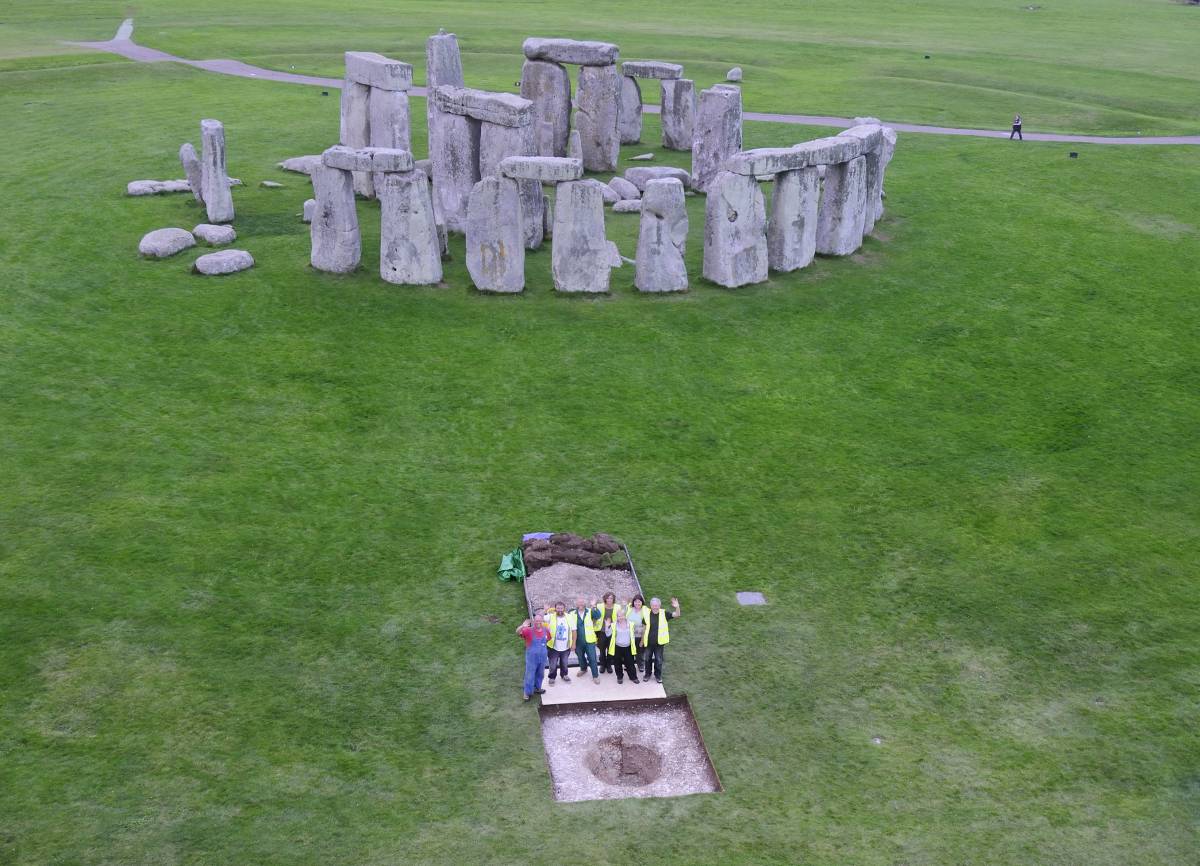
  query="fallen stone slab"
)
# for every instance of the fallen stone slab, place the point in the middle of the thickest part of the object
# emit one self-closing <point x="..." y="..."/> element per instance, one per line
<point x="628" y="206"/>
<point x="642" y="157"/>
<point x="163" y="243"/>
<point x="662" y="236"/>
<point x="425" y="165"/>
<point x="640" y="175"/>
<point x="215" y="235"/>
<point x="546" y="169"/>
<point x="375" y="70"/>
<point x="734" y="74"/>
<point x="270" y="184"/>
<point x="651" y="69"/>
<point x="367" y="158"/>
<point x="223" y="262"/>
<point x="573" y="51"/>
<point x="301" y="164"/>
<point x="625" y="189"/>
<point x="192" y="169"/>
<point x="156" y="187"/>
<point x="735" y="231"/>
<point x="505" y="109"/>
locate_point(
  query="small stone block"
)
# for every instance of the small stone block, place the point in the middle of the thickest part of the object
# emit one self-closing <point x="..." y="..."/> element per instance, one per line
<point x="751" y="598"/>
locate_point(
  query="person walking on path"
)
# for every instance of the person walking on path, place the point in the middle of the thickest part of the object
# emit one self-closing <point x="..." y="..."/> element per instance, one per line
<point x="583" y="620"/>
<point x="534" y="632"/>
<point x="559" y="646"/>
<point x="1016" y="129"/>
<point x="620" y="647"/>
<point x="639" y="617"/>
<point x="609" y="609"/>
<point x="658" y="635"/>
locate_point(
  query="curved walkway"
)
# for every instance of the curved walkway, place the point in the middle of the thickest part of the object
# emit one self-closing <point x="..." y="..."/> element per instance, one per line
<point x="122" y="43"/>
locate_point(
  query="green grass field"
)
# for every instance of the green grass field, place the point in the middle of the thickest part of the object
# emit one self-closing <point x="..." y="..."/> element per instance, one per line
<point x="249" y="526"/>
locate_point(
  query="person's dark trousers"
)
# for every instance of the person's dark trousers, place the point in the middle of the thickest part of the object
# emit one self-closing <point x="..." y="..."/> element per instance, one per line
<point x="1017" y="132"/>
<point x="558" y="663"/>
<point x="623" y="661"/>
<point x="586" y="652"/>
<point x="606" y="659"/>
<point x="654" y="661"/>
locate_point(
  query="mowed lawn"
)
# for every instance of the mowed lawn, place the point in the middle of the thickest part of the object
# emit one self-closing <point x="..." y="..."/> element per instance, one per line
<point x="1124" y="67"/>
<point x="249" y="526"/>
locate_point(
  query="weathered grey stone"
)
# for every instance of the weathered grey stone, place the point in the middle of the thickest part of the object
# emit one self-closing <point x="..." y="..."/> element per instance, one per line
<point x="886" y="151"/>
<point x="651" y="69"/>
<point x="643" y="156"/>
<point x="270" y="184"/>
<point x="505" y="109"/>
<point x="214" y="180"/>
<point x="191" y="167"/>
<point x="496" y="143"/>
<point x="607" y="193"/>
<point x="425" y="165"/>
<point x="310" y="208"/>
<point x="625" y="189"/>
<point x="544" y="169"/>
<point x="162" y="243"/>
<point x="870" y="134"/>
<point x="547" y="218"/>
<point x="301" y="164"/>
<point x="374" y="159"/>
<point x="792" y="228"/>
<point x="630" y="123"/>
<point x="548" y="86"/>
<point x="597" y="116"/>
<point x="440" y="222"/>
<point x="356" y="129"/>
<point x="581" y="257"/>
<point x="215" y="235"/>
<point x="615" y="259"/>
<point x="572" y="51"/>
<point x="495" y="236"/>
<point x="336" y="243"/>
<point x="156" y="187"/>
<point x="375" y="70"/>
<point x="734" y="74"/>
<point x="640" y="175"/>
<point x="223" y="262"/>
<point x="390" y="123"/>
<point x="628" y="206"/>
<point x="772" y="160"/>
<point x="443" y="65"/>
<point x="455" y="166"/>
<point x="574" y="146"/>
<point x="662" y="238"/>
<point x="873" y="144"/>
<point x="735" y="236"/>
<point x="841" y="216"/>
<point x="678" y="113"/>
<point x="410" y="252"/>
<point x="717" y="134"/>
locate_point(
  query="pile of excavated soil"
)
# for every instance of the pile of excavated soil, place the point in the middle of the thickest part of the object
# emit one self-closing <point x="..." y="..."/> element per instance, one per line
<point x="565" y="582"/>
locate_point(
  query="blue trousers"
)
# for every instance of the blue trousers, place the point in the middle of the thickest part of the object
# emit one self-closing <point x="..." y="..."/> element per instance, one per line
<point x="586" y="652"/>
<point x="535" y="666"/>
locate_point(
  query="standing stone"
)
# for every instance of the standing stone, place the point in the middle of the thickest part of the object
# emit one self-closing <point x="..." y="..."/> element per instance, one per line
<point x="497" y="142"/>
<point x="336" y="244"/>
<point x="887" y="151"/>
<point x="631" y="110"/>
<point x="717" y="134"/>
<point x="678" y="113"/>
<point x="455" y="166"/>
<point x="410" y="252"/>
<point x="443" y="65"/>
<point x="735" y="237"/>
<point x="214" y="180"/>
<point x="597" y="117"/>
<point x="192" y="170"/>
<point x="662" y="236"/>
<point x="581" y="257"/>
<point x="548" y="86"/>
<point x="792" y="229"/>
<point x="547" y="218"/>
<point x="356" y="128"/>
<point x="495" y="236"/>
<point x="843" y="208"/>
<point x="574" y="146"/>
<point x="389" y="120"/>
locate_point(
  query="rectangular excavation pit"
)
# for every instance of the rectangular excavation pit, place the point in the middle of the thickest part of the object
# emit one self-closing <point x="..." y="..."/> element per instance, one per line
<point x="612" y="750"/>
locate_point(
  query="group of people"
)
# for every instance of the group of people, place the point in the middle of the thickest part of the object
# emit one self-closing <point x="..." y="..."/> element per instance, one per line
<point x="626" y="639"/>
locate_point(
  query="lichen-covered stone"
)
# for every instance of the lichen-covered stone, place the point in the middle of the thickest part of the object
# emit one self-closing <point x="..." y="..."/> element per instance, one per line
<point x="792" y="227"/>
<point x="630" y="124"/>
<point x="190" y="161"/>
<point x="443" y="65"/>
<point x="455" y="166"/>
<point x="678" y="113"/>
<point x="375" y="70"/>
<point x="717" y="134"/>
<point x="505" y="109"/>
<point x="544" y="169"/>
<point x="496" y="143"/>
<point x="371" y="159"/>
<point x="735" y="236"/>
<point x="495" y="236"/>
<point x="355" y="129"/>
<point x="842" y="212"/>
<point x="581" y="257"/>
<point x="390" y="123"/>
<point x="214" y="180"/>
<point x="410" y="252"/>
<point x="662" y="238"/>
<point x="574" y="146"/>
<point x="572" y="51"/>
<point x="651" y="69"/>
<point x="597" y="116"/>
<point x="548" y="86"/>
<point x="336" y="242"/>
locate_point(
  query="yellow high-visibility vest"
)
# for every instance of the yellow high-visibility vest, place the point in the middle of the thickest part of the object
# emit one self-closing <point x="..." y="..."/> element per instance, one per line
<point x="633" y="644"/>
<point x="551" y="621"/>
<point x="589" y="626"/>
<point x="664" y="632"/>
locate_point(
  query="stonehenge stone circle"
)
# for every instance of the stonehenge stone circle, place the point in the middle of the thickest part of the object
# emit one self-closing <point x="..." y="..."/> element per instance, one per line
<point x="548" y="86"/>
<point x="163" y="243"/>
<point x="717" y="134"/>
<point x="336" y="244"/>
<point x="678" y="113"/>
<point x="581" y="256"/>
<point x="192" y="170"/>
<point x="410" y="251"/>
<point x="792" y="227"/>
<point x="662" y="238"/>
<point x="597" y="116"/>
<point x="630" y="118"/>
<point x="842" y="212"/>
<point x="223" y="262"/>
<point x="571" y="51"/>
<point x="218" y="200"/>
<point x="495" y="236"/>
<point x="735" y="238"/>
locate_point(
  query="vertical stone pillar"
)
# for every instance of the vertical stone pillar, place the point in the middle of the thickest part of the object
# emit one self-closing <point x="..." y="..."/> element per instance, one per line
<point x="443" y="65"/>
<point x="792" y="228"/>
<point x="410" y="251"/>
<point x="735" y="236"/>
<point x="192" y="170"/>
<point x="887" y="151"/>
<point x="717" y="134"/>
<point x="630" y="126"/>
<point x="548" y="86"/>
<point x="214" y="179"/>
<point x="843" y="208"/>
<point x="662" y="236"/>
<point x="597" y="117"/>
<point x="678" y="113"/>
<point x="455" y="166"/>
<point x="495" y="143"/>
<point x="336" y="244"/>
<point x="356" y="128"/>
<point x="495" y="236"/>
<point x="581" y="255"/>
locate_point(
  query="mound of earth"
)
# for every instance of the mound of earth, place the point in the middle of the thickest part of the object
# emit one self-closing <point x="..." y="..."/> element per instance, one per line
<point x="599" y="551"/>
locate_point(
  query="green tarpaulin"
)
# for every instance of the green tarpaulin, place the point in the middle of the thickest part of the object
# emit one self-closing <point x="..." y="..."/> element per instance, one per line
<point x="512" y="566"/>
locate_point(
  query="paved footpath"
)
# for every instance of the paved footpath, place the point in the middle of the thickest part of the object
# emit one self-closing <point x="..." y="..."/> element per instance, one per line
<point x="124" y="45"/>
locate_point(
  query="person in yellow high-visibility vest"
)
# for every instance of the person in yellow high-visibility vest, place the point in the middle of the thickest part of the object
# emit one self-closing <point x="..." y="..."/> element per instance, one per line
<point x="621" y="641"/>
<point x="609" y="609"/>
<point x="584" y="620"/>
<point x="639" y="618"/>
<point x="559" y="645"/>
<point x="658" y="635"/>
